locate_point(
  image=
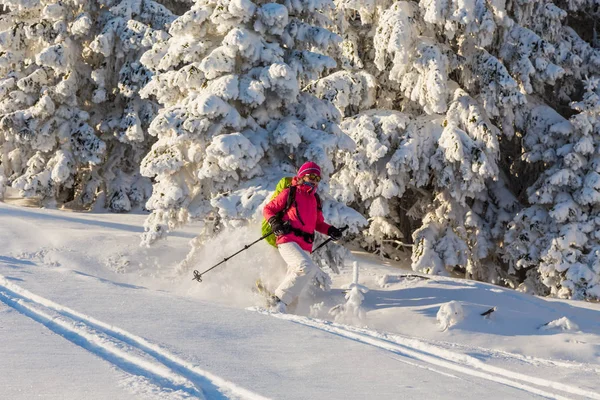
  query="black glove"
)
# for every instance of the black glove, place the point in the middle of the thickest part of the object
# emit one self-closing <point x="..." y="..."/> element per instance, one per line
<point x="334" y="232"/>
<point x="279" y="227"/>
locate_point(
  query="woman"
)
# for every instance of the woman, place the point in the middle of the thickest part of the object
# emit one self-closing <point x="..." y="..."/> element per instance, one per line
<point x="295" y="231"/>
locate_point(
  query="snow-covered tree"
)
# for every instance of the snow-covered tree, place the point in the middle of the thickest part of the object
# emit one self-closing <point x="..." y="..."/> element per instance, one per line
<point x="234" y="117"/>
<point x="70" y="115"/>
<point x="127" y="29"/>
<point x="440" y="165"/>
<point x="3" y="167"/>
<point x="555" y="240"/>
<point x="481" y="71"/>
<point x="370" y="181"/>
<point x="48" y="139"/>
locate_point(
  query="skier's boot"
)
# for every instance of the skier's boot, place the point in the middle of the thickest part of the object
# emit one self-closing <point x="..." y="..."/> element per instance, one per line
<point x="276" y="305"/>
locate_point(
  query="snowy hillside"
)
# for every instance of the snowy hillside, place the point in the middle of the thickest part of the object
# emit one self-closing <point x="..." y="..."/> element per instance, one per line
<point x="87" y="313"/>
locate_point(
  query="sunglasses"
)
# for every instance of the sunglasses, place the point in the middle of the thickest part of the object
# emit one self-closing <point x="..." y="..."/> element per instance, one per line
<point x="313" y="177"/>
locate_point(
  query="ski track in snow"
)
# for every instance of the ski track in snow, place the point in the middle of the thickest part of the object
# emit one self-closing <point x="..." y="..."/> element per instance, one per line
<point x="440" y="357"/>
<point x="175" y="377"/>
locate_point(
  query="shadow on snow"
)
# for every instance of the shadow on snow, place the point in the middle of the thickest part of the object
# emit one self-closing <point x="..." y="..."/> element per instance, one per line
<point x="516" y="313"/>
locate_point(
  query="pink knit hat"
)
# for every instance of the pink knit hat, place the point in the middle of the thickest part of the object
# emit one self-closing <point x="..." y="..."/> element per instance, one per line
<point x="309" y="168"/>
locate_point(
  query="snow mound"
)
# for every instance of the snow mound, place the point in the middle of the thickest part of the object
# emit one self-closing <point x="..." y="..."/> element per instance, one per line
<point x="563" y="323"/>
<point x="450" y="314"/>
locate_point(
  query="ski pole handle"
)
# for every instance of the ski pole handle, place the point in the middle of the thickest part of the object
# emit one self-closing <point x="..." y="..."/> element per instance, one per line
<point x="329" y="240"/>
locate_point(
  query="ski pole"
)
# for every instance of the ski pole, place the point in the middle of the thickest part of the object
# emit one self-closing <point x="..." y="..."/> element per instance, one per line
<point x="198" y="275"/>
<point x="328" y="240"/>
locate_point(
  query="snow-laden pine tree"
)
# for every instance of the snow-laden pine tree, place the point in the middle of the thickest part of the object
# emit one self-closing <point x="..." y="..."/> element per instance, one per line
<point x="442" y="171"/>
<point x="552" y="242"/>
<point x="48" y="140"/>
<point x="478" y="68"/>
<point x="555" y="241"/>
<point x="234" y="117"/>
<point x="127" y="28"/>
<point x="437" y="160"/>
<point x="71" y="118"/>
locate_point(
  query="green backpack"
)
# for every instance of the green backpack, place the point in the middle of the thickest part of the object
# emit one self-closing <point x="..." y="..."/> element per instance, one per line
<point x="285" y="182"/>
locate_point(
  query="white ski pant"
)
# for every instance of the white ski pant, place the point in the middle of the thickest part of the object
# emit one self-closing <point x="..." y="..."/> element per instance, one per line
<point x="301" y="269"/>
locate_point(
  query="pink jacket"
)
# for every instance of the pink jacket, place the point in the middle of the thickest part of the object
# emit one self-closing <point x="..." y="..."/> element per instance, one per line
<point x="303" y="215"/>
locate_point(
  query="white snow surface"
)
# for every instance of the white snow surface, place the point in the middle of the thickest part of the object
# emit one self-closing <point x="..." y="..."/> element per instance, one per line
<point x="86" y="313"/>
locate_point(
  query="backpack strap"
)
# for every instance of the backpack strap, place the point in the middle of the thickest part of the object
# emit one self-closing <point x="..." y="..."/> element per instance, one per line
<point x="289" y="202"/>
<point x="319" y="206"/>
<point x="291" y="199"/>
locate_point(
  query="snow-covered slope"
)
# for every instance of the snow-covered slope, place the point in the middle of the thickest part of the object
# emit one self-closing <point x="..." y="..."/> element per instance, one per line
<point x="87" y="313"/>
